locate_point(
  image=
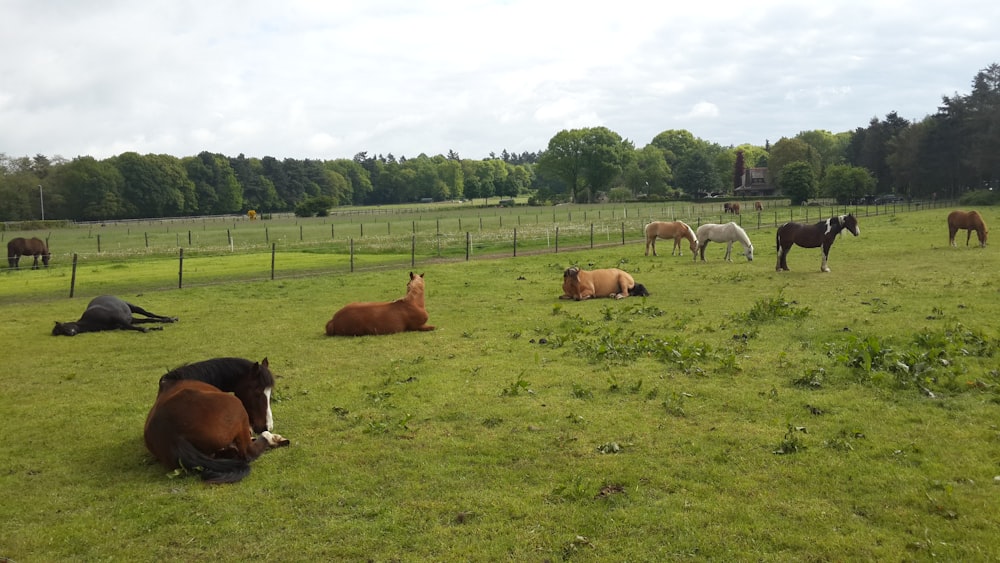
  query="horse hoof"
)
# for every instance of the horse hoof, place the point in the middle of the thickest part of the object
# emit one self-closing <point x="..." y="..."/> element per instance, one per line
<point x="274" y="440"/>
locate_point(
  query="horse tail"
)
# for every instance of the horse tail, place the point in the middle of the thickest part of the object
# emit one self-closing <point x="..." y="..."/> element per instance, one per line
<point x="212" y="470"/>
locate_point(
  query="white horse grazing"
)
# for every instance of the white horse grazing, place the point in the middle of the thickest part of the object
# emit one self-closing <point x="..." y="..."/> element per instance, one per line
<point x="727" y="233"/>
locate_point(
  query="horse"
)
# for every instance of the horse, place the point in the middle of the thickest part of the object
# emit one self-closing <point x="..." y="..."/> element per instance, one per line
<point x="197" y="425"/>
<point x="610" y="282"/>
<point x="676" y="230"/>
<point x="727" y="233"/>
<point x="733" y="208"/>
<point x="20" y="246"/>
<point x="812" y="236"/>
<point x="970" y="221"/>
<point x="239" y="376"/>
<point x="758" y="206"/>
<point x="404" y="314"/>
<point x="108" y="312"/>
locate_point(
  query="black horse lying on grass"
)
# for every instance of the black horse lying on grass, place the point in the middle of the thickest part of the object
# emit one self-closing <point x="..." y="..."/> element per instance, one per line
<point x="110" y="313"/>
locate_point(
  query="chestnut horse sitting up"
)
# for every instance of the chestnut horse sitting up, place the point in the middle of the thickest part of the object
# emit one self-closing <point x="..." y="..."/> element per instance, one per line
<point x="403" y="314"/>
<point x="611" y="282"/>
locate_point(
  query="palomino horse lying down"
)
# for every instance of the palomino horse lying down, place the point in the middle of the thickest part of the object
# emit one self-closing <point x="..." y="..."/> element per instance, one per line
<point x="611" y="282"/>
<point x="107" y="312"/>
<point x="403" y="314"/>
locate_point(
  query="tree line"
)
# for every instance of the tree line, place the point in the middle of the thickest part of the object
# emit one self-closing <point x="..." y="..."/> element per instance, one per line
<point x="949" y="152"/>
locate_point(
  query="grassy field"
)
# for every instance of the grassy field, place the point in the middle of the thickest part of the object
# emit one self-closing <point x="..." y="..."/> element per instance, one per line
<point x="735" y="414"/>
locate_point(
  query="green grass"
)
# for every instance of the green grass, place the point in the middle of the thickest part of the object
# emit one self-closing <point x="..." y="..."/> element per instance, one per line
<point x="735" y="414"/>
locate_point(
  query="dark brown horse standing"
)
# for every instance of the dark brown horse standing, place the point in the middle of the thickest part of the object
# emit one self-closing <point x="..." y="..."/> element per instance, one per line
<point x="970" y="221"/>
<point x="403" y="314"/>
<point x="20" y="246"/>
<point x="196" y="425"/>
<point x="107" y="312"/>
<point x="813" y="236"/>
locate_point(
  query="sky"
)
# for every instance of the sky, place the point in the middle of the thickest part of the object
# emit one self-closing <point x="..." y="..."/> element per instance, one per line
<point x="326" y="80"/>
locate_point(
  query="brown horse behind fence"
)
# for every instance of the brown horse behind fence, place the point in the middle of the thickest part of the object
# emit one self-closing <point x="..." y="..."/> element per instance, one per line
<point x="403" y="314"/>
<point x="970" y="221"/>
<point x="20" y="246"/>
<point x="676" y="230"/>
<point x="758" y="206"/>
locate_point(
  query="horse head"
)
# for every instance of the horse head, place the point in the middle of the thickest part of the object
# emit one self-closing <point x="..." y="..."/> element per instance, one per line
<point x="573" y="272"/>
<point x="65" y="329"/>
<point x="748" y="252"/>
<point x="850" y="223"/>
<point x="254" y="391"/>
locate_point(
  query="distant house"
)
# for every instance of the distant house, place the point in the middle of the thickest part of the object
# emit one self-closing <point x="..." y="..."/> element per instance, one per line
<point x="756" y="183"/>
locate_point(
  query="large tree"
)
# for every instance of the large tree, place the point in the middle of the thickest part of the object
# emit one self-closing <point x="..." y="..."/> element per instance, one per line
<point x="797" y="181"/>
<point x="846" y="183"/>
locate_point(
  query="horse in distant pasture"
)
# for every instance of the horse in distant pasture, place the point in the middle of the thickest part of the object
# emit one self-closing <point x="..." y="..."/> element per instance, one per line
<point x="676" y="230"/>
<point x="727" y="233"/>
<point x="404" y="314"/>
<point x="822" y="234"/>
<point x="196" y="425"/>
<point x="587" y="284"/>
<point x="970" y="221"/>
<point x="733" y="208"/>
<point x="20" y="246"/>
<point x="107" y="312"/>
<point x="758" y="206"/>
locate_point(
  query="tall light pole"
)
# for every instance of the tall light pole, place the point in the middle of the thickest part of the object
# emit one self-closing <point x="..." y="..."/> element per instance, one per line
<point x="41" y="200"/>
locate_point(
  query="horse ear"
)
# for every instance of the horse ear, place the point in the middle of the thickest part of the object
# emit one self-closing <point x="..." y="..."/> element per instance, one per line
<point x="263" y="362"/>
<point x="411" y="275"/>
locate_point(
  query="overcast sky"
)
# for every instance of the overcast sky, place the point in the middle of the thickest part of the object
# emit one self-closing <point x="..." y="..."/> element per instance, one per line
<point x="325" y="79"/>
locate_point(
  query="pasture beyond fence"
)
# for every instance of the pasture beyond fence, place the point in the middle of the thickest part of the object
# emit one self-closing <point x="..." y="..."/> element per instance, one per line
<point x="222" y="249"/>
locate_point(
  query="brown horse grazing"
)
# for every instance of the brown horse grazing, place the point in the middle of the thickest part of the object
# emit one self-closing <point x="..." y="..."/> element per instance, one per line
<point x="582" y="284"/>
<point x="403" y="314"/>
<point x="676" y="230"/>
<point x="970" y="221"/>
<point x="758" y="206"/>
<point x="20" y="246"/>
<point x="196" y="426"/>
<point x="733" y="208"/>
<point x="107" y="312"/>
<point x="812" y="236"/>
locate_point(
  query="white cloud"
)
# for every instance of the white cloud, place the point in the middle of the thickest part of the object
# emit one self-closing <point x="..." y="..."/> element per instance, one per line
<point x="312" y="79"/>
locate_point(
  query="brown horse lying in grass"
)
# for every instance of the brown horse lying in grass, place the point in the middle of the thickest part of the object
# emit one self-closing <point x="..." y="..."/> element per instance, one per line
<point x="403" y="314"/>
<point x="970" y="221"/>
<point x="611" y="282"/>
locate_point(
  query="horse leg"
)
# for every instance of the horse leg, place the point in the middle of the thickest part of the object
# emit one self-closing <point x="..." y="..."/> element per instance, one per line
<point x="651" y="241"/>
<point x="729" y="251"/>
<point x="152" y="317"/>
<point x="968" y="236"/>
<point x="826" y="255"/>
<point x="677" y="247"/>
<point x="782" y="257"/>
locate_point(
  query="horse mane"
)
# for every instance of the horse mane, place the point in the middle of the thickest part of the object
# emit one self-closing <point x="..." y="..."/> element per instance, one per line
<point x="691" y="232"/>
<point x="742" y="234"/>
<point x="218" y="372"/>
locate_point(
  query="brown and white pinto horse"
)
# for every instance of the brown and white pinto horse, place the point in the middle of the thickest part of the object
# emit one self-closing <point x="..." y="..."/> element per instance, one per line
<point x="676" y="230"/>
<point x="195" y="425"/>
<point x="610" y="282"/>
<point x="970" y="221"/>
<point x="20" y="246"/>
<point x="403" y="314"/>
<point x="813" y="236"/>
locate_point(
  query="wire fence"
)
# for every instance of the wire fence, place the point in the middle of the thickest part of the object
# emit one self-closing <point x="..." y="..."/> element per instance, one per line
<point x="131" y="256"/>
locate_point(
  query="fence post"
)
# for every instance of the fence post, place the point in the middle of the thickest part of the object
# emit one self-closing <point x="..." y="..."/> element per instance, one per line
<point x="591" y="232"/>
<point x="468" y="244"/>
<point x="352" y="254"/>
<point x="623" y="234"/>
<point x="557" y="239"/>
<point x="272" y="260"/>
<point x="180" y="270"/>
<point x="72" y="279"/>
<point x="515" y="243"/>
<point x="98" y="243"/>
<point x="147" y="239"/>
<point x="413" y="250"/>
